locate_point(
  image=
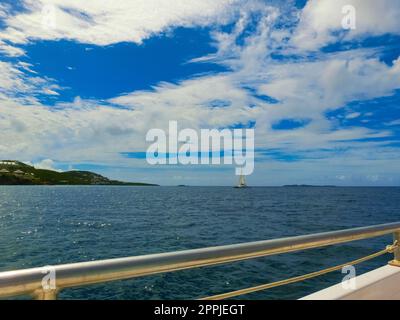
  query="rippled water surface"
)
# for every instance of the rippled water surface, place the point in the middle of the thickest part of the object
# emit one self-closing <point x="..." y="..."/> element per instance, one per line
<point x="52" y="225"/>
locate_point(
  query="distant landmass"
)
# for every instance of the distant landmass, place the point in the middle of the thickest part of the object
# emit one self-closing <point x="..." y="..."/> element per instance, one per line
<point x="14" y="172"/>
<point x="306" y="185"/>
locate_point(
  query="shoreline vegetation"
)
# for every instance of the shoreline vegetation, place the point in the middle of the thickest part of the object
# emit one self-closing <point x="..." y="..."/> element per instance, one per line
<point x="14" y="172"/>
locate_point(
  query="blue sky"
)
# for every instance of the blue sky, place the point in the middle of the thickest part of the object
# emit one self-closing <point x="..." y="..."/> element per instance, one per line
<point x="81" y="83"/>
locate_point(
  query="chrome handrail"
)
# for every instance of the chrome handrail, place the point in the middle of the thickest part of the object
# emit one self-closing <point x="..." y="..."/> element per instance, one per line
<point x="29" y="281"/>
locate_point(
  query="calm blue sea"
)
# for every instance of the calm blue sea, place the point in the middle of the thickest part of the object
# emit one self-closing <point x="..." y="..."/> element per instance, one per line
<point x="52" y="225"/>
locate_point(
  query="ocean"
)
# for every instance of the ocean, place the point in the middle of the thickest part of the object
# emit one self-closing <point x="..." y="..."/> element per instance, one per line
<point x="47" y="225"/>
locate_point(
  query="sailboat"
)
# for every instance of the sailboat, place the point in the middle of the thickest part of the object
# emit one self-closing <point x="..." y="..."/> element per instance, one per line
<point x="242" y="181"/>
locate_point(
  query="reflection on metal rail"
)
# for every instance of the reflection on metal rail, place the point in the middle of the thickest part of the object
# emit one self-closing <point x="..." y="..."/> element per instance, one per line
<point x="29" y="281"/>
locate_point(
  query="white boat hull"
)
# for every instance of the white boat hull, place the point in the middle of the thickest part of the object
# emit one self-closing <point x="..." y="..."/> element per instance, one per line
<point x="380" y="284"/>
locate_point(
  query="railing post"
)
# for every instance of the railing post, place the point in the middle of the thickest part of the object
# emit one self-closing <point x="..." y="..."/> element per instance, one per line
<point x="45" y="295"/>
<point x="396" y="239"/>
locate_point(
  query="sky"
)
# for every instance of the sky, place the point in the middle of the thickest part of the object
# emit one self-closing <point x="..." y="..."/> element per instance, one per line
<point x="82" y="82"/>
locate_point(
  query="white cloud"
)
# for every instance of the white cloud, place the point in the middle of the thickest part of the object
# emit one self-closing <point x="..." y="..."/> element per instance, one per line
<point x="394" y="123"/>
<point x="97" y="131"/>
<point x="105" y="22"/>
<point x="10" y="50"/>
<point x="255" y="46"/>
<point x="353" y="115"/>
<point x="14" y="82"/>
<point x="320" y="21"/>
<point x="190" y="102"/>
<point x="46" y="164"/>
<point x="332" y="81"/>
<point x="304" y="88"/>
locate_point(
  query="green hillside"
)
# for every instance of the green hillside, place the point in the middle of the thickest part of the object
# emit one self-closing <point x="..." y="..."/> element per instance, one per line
<point x="17" y="173"/>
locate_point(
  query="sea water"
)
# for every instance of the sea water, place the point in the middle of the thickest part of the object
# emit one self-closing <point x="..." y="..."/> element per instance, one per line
<point x="47" y="225"/>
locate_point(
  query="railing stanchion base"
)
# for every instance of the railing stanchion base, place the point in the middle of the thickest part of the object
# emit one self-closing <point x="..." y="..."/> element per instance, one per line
<point x="394" y="263"/>
<point x="45" y="295"/>
<point x="396" y="240"/>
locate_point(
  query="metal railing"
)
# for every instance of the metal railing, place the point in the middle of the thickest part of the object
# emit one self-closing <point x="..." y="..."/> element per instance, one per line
<point x="30" y="281"/>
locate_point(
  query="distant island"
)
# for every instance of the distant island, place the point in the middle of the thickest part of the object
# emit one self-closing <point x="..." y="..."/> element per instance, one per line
<point x="306" y="185"/>
<point x="14" y="172"/>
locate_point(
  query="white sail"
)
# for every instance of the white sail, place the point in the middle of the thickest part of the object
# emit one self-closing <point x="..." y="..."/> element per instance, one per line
<point x="242" y="181"/>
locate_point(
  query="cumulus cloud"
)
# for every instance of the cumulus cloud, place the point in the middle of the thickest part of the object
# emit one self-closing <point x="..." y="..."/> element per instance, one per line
<point x="191" y="103"/>
<point x="321" y="21"/>
<point x="98" y="131"/>
<point x="333" y="80"/>
<point x="46" y="164"/>
<point x="72" y="133"/>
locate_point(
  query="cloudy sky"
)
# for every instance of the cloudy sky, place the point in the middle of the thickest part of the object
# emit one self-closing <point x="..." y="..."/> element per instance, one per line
<point x="81" y="83"/>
